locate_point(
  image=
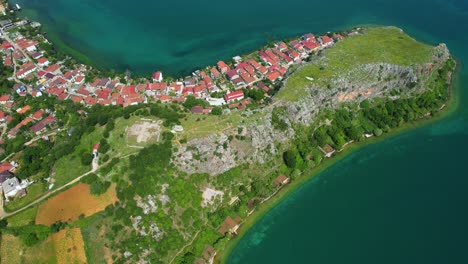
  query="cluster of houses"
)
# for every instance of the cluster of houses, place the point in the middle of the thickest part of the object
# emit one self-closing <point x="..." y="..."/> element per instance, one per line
<point x="35" y="121"/>
<point x="52" y="78"/>
<point x="37" y="76"/>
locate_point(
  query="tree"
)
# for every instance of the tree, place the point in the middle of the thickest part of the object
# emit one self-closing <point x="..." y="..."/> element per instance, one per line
<point x="191" y="101"/>
<point x="30" y="239"/>
<point x="3" y="223"/>
<point x="378" y="132"/>
<point x="98" y="187"/>
<point x="86" y="158"/>
<point x="216" y="110"/>
<point x="289" y="158"/>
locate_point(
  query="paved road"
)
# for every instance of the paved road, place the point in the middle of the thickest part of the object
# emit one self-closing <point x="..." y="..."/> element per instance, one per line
<point x="4" y="214"/>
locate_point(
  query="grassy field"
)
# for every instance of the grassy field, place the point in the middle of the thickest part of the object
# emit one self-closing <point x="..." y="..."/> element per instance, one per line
<point x="13" y="251"/>
<point x="33" y="191"/>
<point x="23" y="218"/>
<point x="377" y="45"/>
<point x="70" y="204"/>
<point x="70" y="166"/>
<point x="94" y="238"/>
<point x="69" y="246"/>
<point x="11" y="248"/>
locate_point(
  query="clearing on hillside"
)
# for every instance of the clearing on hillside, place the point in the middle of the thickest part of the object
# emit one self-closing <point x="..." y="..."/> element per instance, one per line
<point x="70" y="204"/>
<point x="13" y="251"/>
<point x="11" y="247"/>
<point x="145" y="131"/>
<point x="69" y="246"/>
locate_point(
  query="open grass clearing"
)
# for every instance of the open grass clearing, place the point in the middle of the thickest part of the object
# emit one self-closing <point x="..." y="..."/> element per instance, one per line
<point x="94" y="233"/>
<point x="69" y="246"/>
<point x="23" y="218"/>
<point x="13" y="251"/>
<point x="70" y="167"/>
<point x="69" y="205"/>
<point x="197" y="126"/>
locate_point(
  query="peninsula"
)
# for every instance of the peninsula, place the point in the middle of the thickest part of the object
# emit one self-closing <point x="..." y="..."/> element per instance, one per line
<point x="108" y="168"/>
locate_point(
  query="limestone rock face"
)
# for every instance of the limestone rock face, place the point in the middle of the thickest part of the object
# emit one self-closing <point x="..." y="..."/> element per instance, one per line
<point x="218" y="152"/>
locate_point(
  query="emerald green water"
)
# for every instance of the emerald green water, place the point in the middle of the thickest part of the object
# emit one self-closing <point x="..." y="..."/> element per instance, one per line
<point x="402" y="200"/>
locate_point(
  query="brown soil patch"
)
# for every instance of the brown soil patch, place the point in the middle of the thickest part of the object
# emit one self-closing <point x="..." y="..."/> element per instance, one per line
<point x="70" y="204"/>
<point x="349" y="96"/>
<point x="69" y="246"/>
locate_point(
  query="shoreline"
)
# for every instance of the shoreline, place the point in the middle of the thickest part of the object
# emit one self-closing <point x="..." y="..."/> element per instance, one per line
<point x="81" y="57"/>
<point x="450" y="107"/>
<point x="261" y="210"/>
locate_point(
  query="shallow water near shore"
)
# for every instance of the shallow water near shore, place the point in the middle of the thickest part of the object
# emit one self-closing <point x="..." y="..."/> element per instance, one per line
<point x="401" y="200"/>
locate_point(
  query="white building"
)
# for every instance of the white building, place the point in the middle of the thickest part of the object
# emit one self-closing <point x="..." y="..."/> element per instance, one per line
<point x="12" y="188"/>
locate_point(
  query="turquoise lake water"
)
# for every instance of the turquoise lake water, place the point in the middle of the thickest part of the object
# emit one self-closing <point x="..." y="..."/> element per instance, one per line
<point x="402" y="200"/>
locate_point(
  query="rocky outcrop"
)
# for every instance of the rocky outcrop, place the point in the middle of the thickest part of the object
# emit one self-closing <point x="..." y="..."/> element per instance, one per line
<point x="216" y="153"/>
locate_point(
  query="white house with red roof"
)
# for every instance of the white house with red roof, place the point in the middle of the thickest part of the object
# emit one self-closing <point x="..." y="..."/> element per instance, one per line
<point x="234" y="96"/>
<point x="157" y="76"/>
<point x="43" y="62"/>
<point x="326" y="41"/>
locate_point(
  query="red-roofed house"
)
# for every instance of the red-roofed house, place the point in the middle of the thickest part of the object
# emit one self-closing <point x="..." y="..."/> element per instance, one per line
<point x="338" y="37"/>
<point x="89" y="100"/>
<point x="165" y="98"/>
<point x="6" y="98"/>
<point x="223" y="67"/>
<point x="247" y="78"/>
<point x="62" y="96"/>
<point x="25" y="70"/>
<point x="133" y="101"/>
<point x="79" y="79"/>
<point x="273" y="76"/>
<point x="237" y="95"/>
<point x="23" y="110"/>
<point x="77" y="99"/>
<point x="43" y="62"/>
<point x="264" y="56"/>
<point x="254" y="64"/>
<point x="326" y="41"/>
<point x="215" y="74"/>
<point x="26" y="44"/>
<point x="281" y="46"/>
<point x="41" y="125"/>
<point x="232" y="74"/>
<point x="309" y="37"/>
<point x="6" y="166"/>
<point x="54" y="68"/>
<point x="157" y="76"/>
<point x="128" y="92"/>
<point x="6" y="46"/>
<point x="82" y="90"/>
<point x="38" y="114"/>
<point x="263" y="70"/>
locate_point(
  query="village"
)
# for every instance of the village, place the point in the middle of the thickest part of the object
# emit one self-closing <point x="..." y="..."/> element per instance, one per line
<point x="223" y="85"/>
<point x="35" y="72"/>
<point x="179" y="161"/>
